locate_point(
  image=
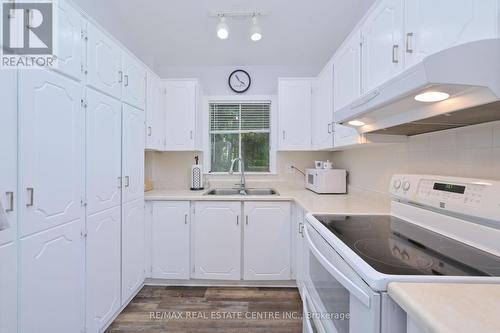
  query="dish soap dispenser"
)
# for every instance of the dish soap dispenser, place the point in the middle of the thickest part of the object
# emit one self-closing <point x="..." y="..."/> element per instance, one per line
<point x="196" y="175"/>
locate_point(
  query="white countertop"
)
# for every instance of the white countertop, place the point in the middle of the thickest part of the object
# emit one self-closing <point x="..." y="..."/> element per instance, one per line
<point x="356" y="202"/>
<point x="450" y="308"/>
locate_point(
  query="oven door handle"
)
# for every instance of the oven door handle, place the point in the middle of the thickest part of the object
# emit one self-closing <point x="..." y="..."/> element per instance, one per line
<point x="339" y="276"/>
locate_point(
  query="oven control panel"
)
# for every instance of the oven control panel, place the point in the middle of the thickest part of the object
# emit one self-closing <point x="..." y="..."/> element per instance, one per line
<point x="473" y="197"/>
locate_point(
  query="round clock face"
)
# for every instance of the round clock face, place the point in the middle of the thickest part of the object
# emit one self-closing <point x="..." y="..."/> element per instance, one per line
<point x="239" y="81"/>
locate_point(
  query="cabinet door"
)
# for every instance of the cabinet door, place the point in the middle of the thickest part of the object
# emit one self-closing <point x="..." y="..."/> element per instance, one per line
<point x="180" y="115"/>
<point x="155" y="114"/>
<point x="132" y="248"/>
<point x="103" y="63"/>
<point x="51" y="120"/>
<point x="267" y="237"/>
<point x="171" y="236"/>
<point x="103" y="268"/>
<point x="295" y="101"/>
<point x="322" y="113"/>
<point x="432" y="26"/>
<point x="298" y="233"/>
<point x="133" y="153"/>
<point x="8" y="287"/>
<point x="104" y="158"/>
<point x="69" y="52"/>
<point x="134" y="82"/>
<point x="217" y="240"/>
<point x="8" y="199"/>
<point x="51" y="280"/>
<point x="347" y="72"/>
<point x="382" y="44"/>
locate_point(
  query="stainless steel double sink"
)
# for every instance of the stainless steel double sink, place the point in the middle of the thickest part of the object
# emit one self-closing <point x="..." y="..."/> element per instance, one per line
<point x="237" y="191"/>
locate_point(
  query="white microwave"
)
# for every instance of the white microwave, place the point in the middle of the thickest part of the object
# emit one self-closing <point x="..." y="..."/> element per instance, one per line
<point x="325" y="181"/>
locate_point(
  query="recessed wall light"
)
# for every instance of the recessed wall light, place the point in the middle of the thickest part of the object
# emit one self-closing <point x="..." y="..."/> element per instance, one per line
<point x="356" y="123"/>
<point x="222" y="29"/>
<point x="432" y="96"/>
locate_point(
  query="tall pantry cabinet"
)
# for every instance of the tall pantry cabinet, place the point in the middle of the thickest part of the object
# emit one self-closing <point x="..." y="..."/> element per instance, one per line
<point x="71" y="184"/>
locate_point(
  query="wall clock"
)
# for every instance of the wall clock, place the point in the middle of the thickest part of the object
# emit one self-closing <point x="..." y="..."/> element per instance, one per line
<point x="239" y="81"/>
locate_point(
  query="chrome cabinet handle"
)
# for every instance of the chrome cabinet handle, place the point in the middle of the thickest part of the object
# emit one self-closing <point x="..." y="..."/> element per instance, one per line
<point x="31" y="196"/>
<point x="10" y="200"/>
<point x="237" y="220"/>
<point x="395" y="49"/>
<point x="150" y="130"/>
<point x="120" y="76"/>
<point x="301" y="229"/>
<point x="284" y="135"/>
<point x="127" y="181"/>
<point x="329" y="128"/>
<point x="409" y="46"/>
<point x="126" y="80"/>
<point x="186" y="219"/>
<point x="190" y="135"/>
<point x="246" y="220"/>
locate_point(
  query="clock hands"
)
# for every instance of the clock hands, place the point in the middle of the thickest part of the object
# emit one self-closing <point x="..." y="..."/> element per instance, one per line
<point x="242" y="83"/>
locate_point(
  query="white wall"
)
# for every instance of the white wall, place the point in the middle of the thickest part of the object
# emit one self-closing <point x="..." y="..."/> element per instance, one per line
<point x="214" y="78"/>
<point x="464" y="152"/>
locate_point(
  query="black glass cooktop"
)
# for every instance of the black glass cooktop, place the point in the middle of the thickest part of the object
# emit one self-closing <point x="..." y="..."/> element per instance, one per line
<point x="393" y="246"/>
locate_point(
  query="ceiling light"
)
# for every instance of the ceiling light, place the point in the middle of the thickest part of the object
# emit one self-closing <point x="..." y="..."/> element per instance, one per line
<point x="255" y="30"/>
<point x="432" y="96"/>
<point x="222" y="29"/>
<point x="356" y="123"/>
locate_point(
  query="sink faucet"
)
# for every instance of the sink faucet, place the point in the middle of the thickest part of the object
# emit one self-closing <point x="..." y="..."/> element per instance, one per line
<point x="242" y="167"/>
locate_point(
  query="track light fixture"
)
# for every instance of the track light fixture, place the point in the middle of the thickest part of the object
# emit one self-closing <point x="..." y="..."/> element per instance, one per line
<point x="255" y="30"/>
<point x="222" y="28"/>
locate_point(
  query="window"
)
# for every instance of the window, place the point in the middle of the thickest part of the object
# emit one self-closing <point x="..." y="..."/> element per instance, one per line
<point x="240" y="130"/>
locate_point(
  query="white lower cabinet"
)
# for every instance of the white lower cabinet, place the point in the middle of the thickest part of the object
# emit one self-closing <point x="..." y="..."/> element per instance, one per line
<point x="267" y="241"/>
<point x="51" y="280"/>
<point x="103" y="268"/>
<point x="217" y="240"/>
<point x="8" y="287"/>
<point x="298" y="233"/>
<point x="170" y="240"/>
<point x="132" y="248"/>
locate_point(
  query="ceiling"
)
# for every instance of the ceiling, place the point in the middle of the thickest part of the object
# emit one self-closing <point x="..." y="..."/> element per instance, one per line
<point x="181" y="33"/>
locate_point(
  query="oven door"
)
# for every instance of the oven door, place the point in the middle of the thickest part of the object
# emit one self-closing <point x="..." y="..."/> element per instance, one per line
<point x="337" y="294"/>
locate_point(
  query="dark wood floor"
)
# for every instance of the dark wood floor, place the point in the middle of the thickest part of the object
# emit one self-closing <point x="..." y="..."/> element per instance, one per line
<point x="213" y="309"/>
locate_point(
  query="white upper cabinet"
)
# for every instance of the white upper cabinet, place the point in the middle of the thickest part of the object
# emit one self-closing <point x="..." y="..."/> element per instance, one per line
<point x="267" y="237"/>
<point x="70" y="41"/>
<point x="295" y="104"/>
<point x="51" y="280"/>
<point x="171" y="234"/>
<point x="181" y="108"/>
<point x="383" y="47"/>
<point x="322" y="112"/>
<point x="432" y="26"/>
<point x="104" y="63"/>
<point x="347" y="72"/>
<point x="155" y="114"/>
<point x="51" y="150"/>
<point x="217" y="240"/>
<point x="103" y="268"/>
<point x="104" y="143"/>
<point x="132" y="153"/>
<point x="134" y="82"/>
<point x="133" y="251"/>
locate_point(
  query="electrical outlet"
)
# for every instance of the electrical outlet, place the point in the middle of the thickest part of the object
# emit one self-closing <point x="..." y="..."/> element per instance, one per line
<point x="289" y="168"/>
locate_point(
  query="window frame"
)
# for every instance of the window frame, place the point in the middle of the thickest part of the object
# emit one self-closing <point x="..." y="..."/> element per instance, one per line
<point x="272" y="99"/>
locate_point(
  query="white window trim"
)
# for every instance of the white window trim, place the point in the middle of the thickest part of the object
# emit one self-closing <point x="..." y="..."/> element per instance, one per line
<point x="241" y="99"/>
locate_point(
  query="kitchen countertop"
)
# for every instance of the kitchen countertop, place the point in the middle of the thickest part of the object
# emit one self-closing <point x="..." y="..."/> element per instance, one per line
<point x="450" y="308"/>
<point x="356" y="202"/>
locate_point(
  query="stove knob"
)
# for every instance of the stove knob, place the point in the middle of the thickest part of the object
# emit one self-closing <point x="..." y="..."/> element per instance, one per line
<point x="406" y="186"/>
<point x="397" y="184"/>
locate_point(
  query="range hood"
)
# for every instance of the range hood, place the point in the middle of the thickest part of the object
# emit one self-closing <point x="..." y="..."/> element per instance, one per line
<point x="469" y="73"/>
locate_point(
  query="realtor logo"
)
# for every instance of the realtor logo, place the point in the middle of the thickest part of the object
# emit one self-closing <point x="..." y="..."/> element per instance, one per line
<point x="27" y="34"/>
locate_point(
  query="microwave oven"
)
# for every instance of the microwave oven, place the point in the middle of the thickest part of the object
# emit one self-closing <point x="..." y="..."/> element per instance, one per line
<point x="324" y="181"/>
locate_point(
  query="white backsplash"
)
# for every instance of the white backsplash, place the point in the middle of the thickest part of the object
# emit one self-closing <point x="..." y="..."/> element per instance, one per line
<point x="472" y="151"/>
<point x="171" y="170"/>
